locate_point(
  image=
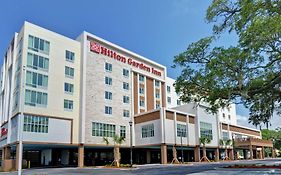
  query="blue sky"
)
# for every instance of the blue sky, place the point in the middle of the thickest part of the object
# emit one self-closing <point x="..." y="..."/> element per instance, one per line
<point x="156" y="29"/>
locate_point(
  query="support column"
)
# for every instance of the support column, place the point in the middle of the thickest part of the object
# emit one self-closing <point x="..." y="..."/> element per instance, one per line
<point x="6" y="153"/>
<point x="217" y="155"/>
<point x="17" y="155"/>
<point x="231" y="154"/>
<point x="81" y="155"/>
<point x="163" y="154"/>
<point x="273" y="152"/>
<point x="197" y="153"/>
<point x="262" y="152"/>
<point x="251" y="152"/>
<point x="148" y="156"/>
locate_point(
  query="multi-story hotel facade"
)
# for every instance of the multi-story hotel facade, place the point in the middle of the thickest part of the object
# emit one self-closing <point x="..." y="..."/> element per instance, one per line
<point x="60" y="97"/>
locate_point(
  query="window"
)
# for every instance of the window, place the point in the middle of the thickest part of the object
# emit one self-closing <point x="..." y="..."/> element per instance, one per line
<point x="225" y="135"/>
<point x="34" y="98"/>
<point x="123" y="131"/>
<point x="126" y="99"/>
<point x="70" y="56"/>
<point x="157" y="83"/>
<point x="125" y="86"/>
<point x="181" y="130"/>
<point x="178" y="102"/>
<point x="108" y="95"/>
<point x="16" y="100"/>
<point x="141" y="90"/>
<point x="108" y="80"/>
<point x="68" y="104"/>
<point x="157" y="105"/>
<point x="108" y="67"/>
<point x="68" y="88"/>
<point x="157" y="94"/>
<point x="147" y="131"/>
<point x="38" y="44"/>
<point x="37" y="62"/>
<point x="18" y="63"/>
<point x="206" y="130"/>
<point x="125" y="72"/>
<point x="168" y="89"/>
<point x="141" y="78"/>
<point x="223" y="115"/>
<point x="108" y="110"/>
<point x="229" y="117"/>
<point x="169" y="100"/>
<point x="142" y="103"/>
<point x="126" y="113"/>
<point x="69" y="72"/>
<point x="103" y="130"/>
<point x="36" y="80"/>
<point x="36" y="124"/>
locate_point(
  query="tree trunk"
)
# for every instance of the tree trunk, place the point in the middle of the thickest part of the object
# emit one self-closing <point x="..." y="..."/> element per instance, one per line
<point x="226" y="155"/>
<point x="204" y="151"/>
<point x="117" y="156"/>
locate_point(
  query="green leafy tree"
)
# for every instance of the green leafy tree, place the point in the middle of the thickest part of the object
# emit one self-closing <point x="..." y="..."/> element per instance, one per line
<point x="274" y="135"/>
<point x="117" y="141"/>
<point x="203" y="141"/>
<point x="225" y="143"/>
<point x="249" y="72"/>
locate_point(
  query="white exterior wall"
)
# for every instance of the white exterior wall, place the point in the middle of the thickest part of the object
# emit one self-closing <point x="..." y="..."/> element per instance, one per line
<point x="148" y="140"/>
<point x="174" y="96"/>
<point x="228" y="111"/>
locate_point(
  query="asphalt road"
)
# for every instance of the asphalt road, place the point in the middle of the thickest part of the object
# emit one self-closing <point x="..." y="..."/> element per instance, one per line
<point x="193" y="168"/>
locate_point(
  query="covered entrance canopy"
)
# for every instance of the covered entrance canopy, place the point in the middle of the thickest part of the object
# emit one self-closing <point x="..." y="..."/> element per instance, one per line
<point x="254" y="144"/>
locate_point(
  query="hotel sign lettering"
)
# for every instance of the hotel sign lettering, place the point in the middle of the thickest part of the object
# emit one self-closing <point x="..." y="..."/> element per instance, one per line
<point x="97" y="48"/>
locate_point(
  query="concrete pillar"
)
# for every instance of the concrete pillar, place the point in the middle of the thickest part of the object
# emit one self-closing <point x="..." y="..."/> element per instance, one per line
<point x="262" y="152"/>
<point x="273" y="152"/>
<point x="148" y="156"/>
<point x="81" y="155"/>
<point x="217" y="154"/>
<point x="197" y="153"/>
<point x="251" y="152"/>
<point x="17" y="155"/>
<point x="163" y="154"/>
<point x="6" y="153"/>
<point x="231" y="154"/>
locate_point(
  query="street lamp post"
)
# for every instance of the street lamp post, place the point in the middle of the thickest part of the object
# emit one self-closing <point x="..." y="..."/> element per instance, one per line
<point x="131" y="142"/>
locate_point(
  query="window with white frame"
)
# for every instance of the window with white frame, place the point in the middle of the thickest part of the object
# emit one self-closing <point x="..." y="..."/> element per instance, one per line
<point x="108" y="110"/>
<point x="36" y="124"/>
<point x="225" y="135"/>
<point x="126" y="72"/>
<point x="103" y="129"/>
<point x="157" y="83"/>
<point x="206" y="130"/>
<point x="108" y="81"/>
<point x="35" y="80"/>
<point x="168" y="89"/>
<point x="68" y="88"/>
<point x="169" y="100"/>
<point x="141" y="78"/>
<point x="126" y="99"/>
<point x="108" y="95"/>
<point x="125" y="86"/>
<point x="126" y="113"/>
<point x="123" y="131"/>
<point x="181" y="130"/>
<point x="147" y="131"/>
<point x="178" y="102"/>
<point x="142" y="104"/>
<point x="35" y="98"/>
<point x="38" y="44"/>
<point x="69" y="56"/>
<point x="69" y="72"/>
<point x="108" y="67"/>
<point x="37" y="62"/>
<point x="68" y="104"/>
<point x="141" y="90"/>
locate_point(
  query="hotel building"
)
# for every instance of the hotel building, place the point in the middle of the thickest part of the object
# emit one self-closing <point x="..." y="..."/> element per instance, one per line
<point x="60" y="97"/>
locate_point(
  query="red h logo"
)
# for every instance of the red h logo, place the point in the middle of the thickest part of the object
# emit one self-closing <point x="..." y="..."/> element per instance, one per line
<point x="94" y="47"/>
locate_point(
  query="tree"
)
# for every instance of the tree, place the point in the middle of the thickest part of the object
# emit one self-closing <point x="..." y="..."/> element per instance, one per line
<point x="274" y="135"/>
<point x="203" y="141"/>
<point x="249" y="72"/>
<point x="225" y="144"/>
<point x="117" y="141"/>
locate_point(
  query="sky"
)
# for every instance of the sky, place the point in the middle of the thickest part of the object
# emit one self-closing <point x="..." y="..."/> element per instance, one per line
<point x="156" y="29"/>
